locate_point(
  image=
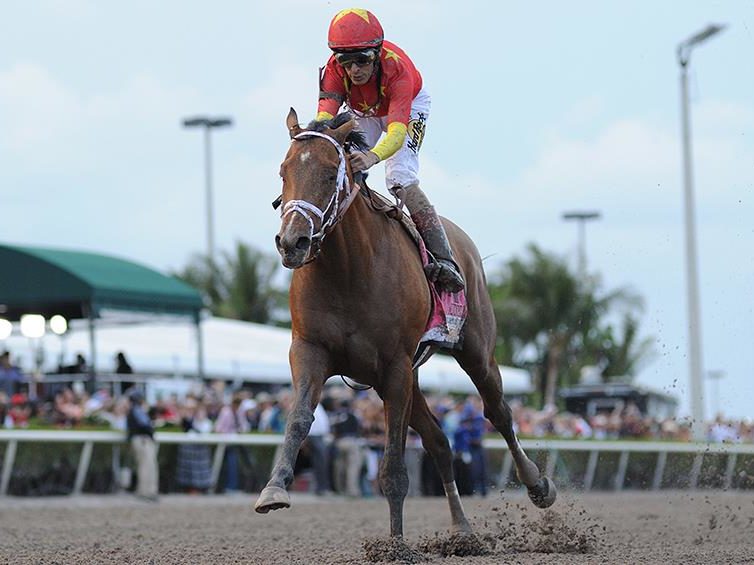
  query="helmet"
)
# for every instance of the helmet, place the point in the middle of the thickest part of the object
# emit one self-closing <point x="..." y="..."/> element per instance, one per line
<point x="354" y="29"/>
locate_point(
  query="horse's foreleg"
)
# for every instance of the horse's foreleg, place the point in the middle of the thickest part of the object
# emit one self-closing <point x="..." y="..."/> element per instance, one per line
<point x="437" y="445"/>
<point x="309" y="370"/>
<point x="393" y="476"/>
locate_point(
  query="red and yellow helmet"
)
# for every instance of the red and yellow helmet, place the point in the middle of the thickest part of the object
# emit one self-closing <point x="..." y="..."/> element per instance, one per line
<point x="354" y="29"/>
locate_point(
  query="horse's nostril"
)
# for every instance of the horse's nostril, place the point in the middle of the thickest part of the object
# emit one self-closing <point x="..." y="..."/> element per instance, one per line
<point x="277" y="241"/>
<point x="302" y="243"/>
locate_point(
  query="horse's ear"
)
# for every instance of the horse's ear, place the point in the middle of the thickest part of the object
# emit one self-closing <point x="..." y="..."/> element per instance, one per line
<point x="342" y="132"/>
<point x="292" y="122"/>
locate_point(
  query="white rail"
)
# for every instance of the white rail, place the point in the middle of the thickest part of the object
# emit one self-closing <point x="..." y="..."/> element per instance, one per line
<point x="553" y="447"/>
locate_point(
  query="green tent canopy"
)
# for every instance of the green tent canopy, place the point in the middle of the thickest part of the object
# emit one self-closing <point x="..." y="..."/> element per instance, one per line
<point x="78" y="284"/>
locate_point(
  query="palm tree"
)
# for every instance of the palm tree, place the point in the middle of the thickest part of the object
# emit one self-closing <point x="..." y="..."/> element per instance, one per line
<point x="546" y="315"/>
<point x="241" y="286"/>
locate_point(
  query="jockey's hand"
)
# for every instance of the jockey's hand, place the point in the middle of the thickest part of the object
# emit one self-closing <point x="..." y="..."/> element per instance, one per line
<point x="362" y="161"/>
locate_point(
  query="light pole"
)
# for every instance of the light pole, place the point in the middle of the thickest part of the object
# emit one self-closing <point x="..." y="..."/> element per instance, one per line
<point x="582" y="217"/>
<point x="696" y="390"/>
<point x="208" y="124"/>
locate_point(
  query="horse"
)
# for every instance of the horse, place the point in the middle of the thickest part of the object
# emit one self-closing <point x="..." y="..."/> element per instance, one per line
<point x="359" y="304"/>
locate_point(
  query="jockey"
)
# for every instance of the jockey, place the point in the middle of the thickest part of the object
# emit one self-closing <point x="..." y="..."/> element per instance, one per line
<point x="383" y="88"/>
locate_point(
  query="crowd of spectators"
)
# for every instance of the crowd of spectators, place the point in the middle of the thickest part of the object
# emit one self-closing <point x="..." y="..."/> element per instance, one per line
<point x="346" y="442"/>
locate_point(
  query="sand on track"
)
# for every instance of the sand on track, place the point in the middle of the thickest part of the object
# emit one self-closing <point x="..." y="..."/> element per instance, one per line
<point x="630" y="527"/>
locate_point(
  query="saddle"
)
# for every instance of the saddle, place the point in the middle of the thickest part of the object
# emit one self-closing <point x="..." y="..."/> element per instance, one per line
<point x="449" y="309"/>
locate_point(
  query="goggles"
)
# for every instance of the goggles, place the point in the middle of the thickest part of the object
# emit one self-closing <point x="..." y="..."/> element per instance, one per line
<point x="361" y="58"/>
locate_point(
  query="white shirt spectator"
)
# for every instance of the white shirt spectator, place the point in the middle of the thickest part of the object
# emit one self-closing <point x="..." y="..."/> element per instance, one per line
<point x="321" y="423"/>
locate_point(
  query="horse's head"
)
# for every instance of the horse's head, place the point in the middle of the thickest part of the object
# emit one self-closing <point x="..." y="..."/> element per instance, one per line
<point x="316" y="186"/>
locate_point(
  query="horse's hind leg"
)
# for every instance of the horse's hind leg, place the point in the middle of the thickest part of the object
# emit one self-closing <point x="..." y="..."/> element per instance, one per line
<point x="437" y="445"/>
<point x="309" y="370"/>
<point x="484" y="371"/>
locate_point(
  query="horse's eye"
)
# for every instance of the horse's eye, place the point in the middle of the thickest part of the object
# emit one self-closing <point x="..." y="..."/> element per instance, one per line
<point x="332" y="178"/>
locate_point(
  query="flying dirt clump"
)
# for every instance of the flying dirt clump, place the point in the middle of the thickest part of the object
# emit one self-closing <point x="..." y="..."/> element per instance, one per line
<point x="379" y="550"/>
<point x="459" y="544"/>
<point x="548" y="532"/>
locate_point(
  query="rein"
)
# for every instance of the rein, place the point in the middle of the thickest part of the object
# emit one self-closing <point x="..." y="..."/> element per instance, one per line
<point x="340" y="201"/>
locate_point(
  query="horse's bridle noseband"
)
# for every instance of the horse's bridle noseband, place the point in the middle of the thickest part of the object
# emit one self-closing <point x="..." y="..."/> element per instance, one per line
<point x="341" y="199"/>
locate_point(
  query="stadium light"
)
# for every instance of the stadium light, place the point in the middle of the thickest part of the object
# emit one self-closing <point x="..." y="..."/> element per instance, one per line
<point x="696" y="388"/>
<point x="33" y="325"/>
<point x="582" y="217"/>
<point x="58" y="324"/>
<point x="6" y="328"/>
<point x="208" y="124"/>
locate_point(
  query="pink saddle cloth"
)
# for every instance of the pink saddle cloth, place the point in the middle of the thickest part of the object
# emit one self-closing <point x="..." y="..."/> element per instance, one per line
<point x="449" y="311"/>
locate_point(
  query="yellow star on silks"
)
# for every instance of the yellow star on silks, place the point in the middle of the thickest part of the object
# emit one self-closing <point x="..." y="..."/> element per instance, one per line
<point x="364" y="106"/>
<point x="382" y="91"/>
<point x="363" y="14"/>
<point x="391" y="54"/>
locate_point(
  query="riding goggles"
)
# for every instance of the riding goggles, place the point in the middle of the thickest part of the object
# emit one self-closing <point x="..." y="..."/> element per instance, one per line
<point x="361" y="58"/>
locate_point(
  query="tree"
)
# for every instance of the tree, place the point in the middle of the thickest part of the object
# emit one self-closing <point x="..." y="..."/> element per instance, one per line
<point x="551" y="322"/>
<point x="240" y="286"/>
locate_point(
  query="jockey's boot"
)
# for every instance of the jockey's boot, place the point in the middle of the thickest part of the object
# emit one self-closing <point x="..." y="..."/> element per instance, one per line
<point x="444" y="271"/>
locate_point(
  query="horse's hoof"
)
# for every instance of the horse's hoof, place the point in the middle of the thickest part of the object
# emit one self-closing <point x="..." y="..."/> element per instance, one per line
<point x="272" y="498"/>
<point x="544" y="493"/>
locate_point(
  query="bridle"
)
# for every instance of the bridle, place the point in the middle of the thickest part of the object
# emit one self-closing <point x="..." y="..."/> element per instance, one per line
<point x="342" y="197"/>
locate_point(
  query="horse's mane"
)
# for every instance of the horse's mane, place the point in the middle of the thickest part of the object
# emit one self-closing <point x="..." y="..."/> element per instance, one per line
<point x="355" y="138"/>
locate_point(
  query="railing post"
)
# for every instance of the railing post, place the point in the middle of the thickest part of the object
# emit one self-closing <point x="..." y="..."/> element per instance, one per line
<point x="696" y="470"/>
<point x="84" y="459"/>
<point x="621" y="474"/>
<point x="505" y="471"/>
<point x="729" y="468"/>
<point x="217" y="464"/>
<point x="10" y="457"/>
<point x="662" y="458"/>
<point x="115" y="463"/>
<point x="591" y="469"/>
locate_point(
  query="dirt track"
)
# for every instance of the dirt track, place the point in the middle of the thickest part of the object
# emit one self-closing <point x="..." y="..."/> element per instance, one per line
<point x="701" y="527"/>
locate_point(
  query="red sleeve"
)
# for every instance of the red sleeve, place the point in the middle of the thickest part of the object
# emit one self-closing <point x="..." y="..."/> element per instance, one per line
<point x="332" y="90"/>
<point x="401" y="94"/>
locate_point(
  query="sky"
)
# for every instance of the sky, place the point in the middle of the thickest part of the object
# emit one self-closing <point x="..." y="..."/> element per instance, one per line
<point x="537" y="108"/>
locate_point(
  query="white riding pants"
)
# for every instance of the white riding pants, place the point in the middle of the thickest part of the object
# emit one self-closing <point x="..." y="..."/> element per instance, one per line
<point x="401" y="168"/>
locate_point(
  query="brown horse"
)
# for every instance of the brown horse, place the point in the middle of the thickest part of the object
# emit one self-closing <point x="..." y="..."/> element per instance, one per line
<point x="359" y="305"/>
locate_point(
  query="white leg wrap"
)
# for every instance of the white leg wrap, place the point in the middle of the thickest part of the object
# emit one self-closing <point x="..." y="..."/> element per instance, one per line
<point x="450" y="489"/>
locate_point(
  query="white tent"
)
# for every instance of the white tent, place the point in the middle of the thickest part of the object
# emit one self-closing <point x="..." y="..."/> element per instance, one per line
<point x="232" y="350"/>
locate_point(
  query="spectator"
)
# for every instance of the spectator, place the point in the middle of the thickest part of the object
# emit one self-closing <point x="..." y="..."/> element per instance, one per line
<point x="193" y="466"/>
<point x="10" y="375"/>
<point x="123" y="367"/>
<point x="349" y="456"/>
<point x="373" y="433"/>
<point x="318" y="452"/>
<point x="5" y="419"/>
<point x="140" y="435"/>
<point x="20" y="410"/>
<point x="231" y="421"/>
<point x="67" y="411"/>
<point x="79" y="367"/>
<point x="270" y="416"/>
<point x="468" y="442"/>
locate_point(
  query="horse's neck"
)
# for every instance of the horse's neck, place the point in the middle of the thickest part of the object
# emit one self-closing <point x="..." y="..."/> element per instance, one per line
<point x="353" y="240"/>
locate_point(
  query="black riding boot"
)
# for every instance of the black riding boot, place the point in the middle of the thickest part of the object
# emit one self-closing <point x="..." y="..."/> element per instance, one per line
<point x="444" y="272"/>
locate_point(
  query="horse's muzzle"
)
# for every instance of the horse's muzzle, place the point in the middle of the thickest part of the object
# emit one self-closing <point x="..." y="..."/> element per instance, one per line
<point x="293" y="250"/>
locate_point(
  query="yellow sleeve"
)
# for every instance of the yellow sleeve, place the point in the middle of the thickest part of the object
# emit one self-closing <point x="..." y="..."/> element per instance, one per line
<point x="323" y="117"/>
<point x="396" y="134"/>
